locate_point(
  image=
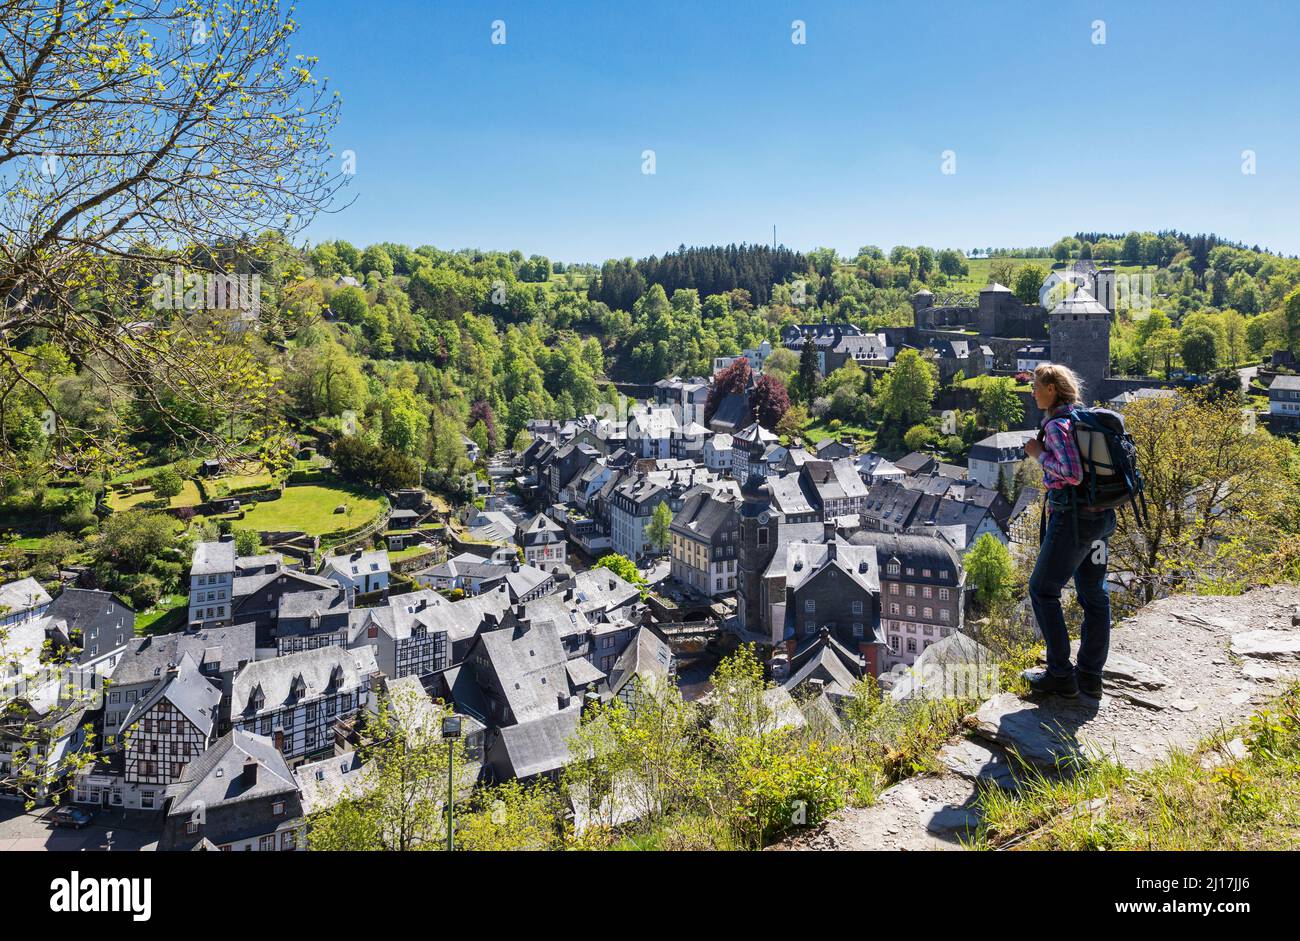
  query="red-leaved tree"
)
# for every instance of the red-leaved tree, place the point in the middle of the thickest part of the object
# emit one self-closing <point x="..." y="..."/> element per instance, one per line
<point x="769" y="401"/>
<point x="735" y="378"/>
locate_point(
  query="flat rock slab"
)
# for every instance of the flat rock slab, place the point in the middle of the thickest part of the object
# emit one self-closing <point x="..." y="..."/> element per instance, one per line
<point x="1267" y="645"/>
<point x="918" y="814"/>
<point x="977" y="761"/>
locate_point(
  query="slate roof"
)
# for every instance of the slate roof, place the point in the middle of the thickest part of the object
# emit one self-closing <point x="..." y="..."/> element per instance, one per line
<point x="825" y="656"/>
<point x="276" y="675"/>
<point x="540" y="530"/>
<point x="919" y="552"/>
<point x="189" y="691"/>
<point x="84" y="610"/>
<point x="302" y="604"/>
<point x="805" y="560"/>
<point x="541" y="745"/>
<point x="529" y="662"/>
<point x="215" y="778"/>
<point x="526" y="579"/>
<point x="357" y="564"/>
<point x="147" y="658"/>
<point x="1001" y="447"/>
<point x="647" y="655"/>
<point x="704" y="516"/>
<point x="601" y="590"/>
<point x="323" y="783"/>
<point x="835" y="480"/>
<point x="582" y="672"/>
<point x="915" y="463"/>
<point x="20" y="595"/>
<point x="213" y="558"/>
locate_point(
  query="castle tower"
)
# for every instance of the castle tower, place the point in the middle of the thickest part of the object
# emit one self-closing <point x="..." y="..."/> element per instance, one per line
<point x="1079" y="328"/>
<point x="922" y="301"/>
<point x="1105" y="288"/>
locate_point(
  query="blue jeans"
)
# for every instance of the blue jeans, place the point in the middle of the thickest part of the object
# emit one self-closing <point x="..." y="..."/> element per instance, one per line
<point x="1078" y="549"/>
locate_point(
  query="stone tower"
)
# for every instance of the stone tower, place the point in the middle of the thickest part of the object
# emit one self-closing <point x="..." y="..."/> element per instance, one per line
<point x="757" y="546"/>
<point x="1079" y="328"/>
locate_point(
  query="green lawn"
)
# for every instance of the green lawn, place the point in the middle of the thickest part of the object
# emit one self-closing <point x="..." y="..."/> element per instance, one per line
<point x="166" y="616"/>
<point x="978" y="276"/>
<point x="819" y="430"/>
<point x="309" y="508"/>
<point x="189" y="496"/>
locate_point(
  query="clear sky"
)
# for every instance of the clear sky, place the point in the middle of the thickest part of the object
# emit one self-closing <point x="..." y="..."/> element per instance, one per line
<point x="537" y="143"/>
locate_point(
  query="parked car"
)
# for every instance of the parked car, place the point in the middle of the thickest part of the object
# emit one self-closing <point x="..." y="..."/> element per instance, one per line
<point x="69" y="816"/>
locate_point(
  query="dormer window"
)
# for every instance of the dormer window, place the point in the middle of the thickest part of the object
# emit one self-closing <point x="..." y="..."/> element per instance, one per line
<point x="256" y="700"/>
<point x="298" y="689"/>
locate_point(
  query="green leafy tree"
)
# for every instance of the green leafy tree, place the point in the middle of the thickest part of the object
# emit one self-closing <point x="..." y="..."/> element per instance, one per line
<point x="659" y="529"/>
<point x="907" y="390"/>
<point x="247" y="541"/>
<point x="1001" y="404"/>
<point x="990" y="571"/>
<point x="167" y="483"/>
<point x="1028" y="282"/>
<point x="623" y="567"/>
<point x="400" y="801"/>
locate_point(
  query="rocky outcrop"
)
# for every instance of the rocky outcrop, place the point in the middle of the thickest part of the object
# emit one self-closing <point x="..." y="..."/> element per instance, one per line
<point x="1179" y="671"/>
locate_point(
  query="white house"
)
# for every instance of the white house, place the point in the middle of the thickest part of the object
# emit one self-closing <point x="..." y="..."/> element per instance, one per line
<point x="212" y="576"/>
<point x="997" y="455"/>
<point x="650" y="431"/>
<point x="363" y="572"/>
<point x="717" y="453"/>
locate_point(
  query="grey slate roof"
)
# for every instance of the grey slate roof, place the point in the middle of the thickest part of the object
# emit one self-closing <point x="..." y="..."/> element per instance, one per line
<point x="215" y="778"/>
<point x="213" y="558"/>
<point x="85" y="610"/>
<point x="276" y="675"/>
<point x="22" y="594"/>
<point x="189" y="691"/>
<point x="529" y="662"/>
<point x="538" y="746"/>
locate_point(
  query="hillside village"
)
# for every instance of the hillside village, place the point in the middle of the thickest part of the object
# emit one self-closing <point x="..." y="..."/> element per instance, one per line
<point x="835" y="562"/>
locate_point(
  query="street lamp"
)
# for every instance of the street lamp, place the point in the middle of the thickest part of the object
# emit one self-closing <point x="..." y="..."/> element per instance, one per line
<point x="450" y="731"/>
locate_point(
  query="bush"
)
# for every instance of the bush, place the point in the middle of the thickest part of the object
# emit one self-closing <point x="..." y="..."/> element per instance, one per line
<point x="144" y="592"/>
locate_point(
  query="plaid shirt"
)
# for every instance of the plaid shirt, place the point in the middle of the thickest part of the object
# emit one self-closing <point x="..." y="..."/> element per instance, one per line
<point x="1062" y="466"/>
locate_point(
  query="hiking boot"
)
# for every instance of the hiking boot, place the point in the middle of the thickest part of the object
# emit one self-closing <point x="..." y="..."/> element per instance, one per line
<point x="1043" y="682"/>
<point x="1089" y="683"/>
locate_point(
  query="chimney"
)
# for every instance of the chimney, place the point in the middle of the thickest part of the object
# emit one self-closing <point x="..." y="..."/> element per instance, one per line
<point x="828" y="531"/>
<point x="249" y="777"/>
<point x="568" y="594"/>
<point x="830" y="549"/>
<point x="563" y="699"/>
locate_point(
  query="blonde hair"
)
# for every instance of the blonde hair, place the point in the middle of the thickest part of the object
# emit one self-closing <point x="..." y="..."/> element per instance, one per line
<point x="1069" y="387"/>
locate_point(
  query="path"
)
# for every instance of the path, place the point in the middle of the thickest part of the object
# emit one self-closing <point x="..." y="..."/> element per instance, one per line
<point x="1180" y="670"/>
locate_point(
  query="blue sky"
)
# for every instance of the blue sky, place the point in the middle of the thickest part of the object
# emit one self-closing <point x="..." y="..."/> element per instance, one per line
<point x="537" y="144"/>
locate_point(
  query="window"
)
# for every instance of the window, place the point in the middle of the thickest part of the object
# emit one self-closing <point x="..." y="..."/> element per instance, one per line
<point x="929" y="612"/>
<point x="857" y="629"/>
<point x="277" y="809"/>
<point x="911" y="610"/>
<point x="810" y="605"/>
<point x="146" y="796"/>
<point x="857" y="607"/>
<point x="893" y="588"/>
<point x="288" y="840"/>
<point x="911" y="645"/>
<point x="191" y="827"/>
<point x="927" y="592"/>
<point x="911" y="591"/>
<point x="943" y="614"/>
<point x="893" y="609"/>
<point x="943" y="594"/>
<point x="266" y="843"/>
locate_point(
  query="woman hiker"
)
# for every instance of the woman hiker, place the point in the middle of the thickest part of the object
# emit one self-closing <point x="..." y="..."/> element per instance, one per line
<point x="1073" y="546"/>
